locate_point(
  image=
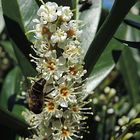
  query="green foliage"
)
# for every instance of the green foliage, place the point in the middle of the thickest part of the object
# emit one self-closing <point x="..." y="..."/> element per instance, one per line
<point x="18" y="21"/>
<point x="130" y="75"/>
<point x="98" y="46"/>
<point x="11" y="87"/>
<point x="90" y="20"/>
<point x="132" y="127"/>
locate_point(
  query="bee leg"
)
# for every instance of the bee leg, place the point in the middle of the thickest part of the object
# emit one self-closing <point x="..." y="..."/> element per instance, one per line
<point x="46" y="93"/>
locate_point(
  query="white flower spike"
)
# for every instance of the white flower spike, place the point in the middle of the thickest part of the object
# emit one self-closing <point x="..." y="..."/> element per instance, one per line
<point x="58" y="90"/>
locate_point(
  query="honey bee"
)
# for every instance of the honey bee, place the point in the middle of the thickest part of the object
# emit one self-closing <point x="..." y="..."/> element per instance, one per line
<point x="36" y="96"/>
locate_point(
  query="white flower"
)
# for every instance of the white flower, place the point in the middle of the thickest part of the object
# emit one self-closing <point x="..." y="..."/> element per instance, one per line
<point x="51" y="110"/>
<point x="64" y="12"/>
<point x="68" y="130"/>
<point x="34" y="120"/>
<point x="73" y="52"/>
<point x="65" y="92"/>
<point x="76" y="111"/>
<point x="42" y="32"/>
<point x="59" y="36"/>
<point x="52" y="27"/>
<point x="49" y="65"/>
<point x="47" y="12"/>
<point x="40" y="47"/>
<point x="75" y="71"/>
<point x="71" y="28"/>
<point x="59" y="60"/>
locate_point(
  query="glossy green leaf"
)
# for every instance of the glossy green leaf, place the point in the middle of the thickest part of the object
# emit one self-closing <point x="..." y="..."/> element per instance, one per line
<point x="106" y="32"/>
<point x="130" y="57"/>
<point x="130" y="74"/>
<point x="11" y="121"/>
<point x="17" y="110"/>
<point x="8" y="101"/>
<point x="24" y="64"/>
<point x="98" y="59"/>
<point x="90" y="18"/>
<point x="18" y="15"/>
<point x="134" y="19"/>
<point x="133" y="33"/>
<point x="132" y="44"/>
<point x="28" y="10"/>
<point x="132" y="23"/>
<point x="9" y="49"/>
<point x="22" y="12"/>
<point x="61" y="2"/>
<point x="1" y="19"/>
<point x="106" y="63"/>
<point x="10" y="88"/>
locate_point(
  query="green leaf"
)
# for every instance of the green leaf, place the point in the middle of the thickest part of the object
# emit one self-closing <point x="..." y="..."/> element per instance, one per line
<point x="61" y="2"/>
<point x="22" y="12"/>
<point x="90" y="19"/>
<point x="1" y="19"/>
<point x="18" y="16"/>
<point x="106" y="32"/>
<point x="10" y="87"/>
<point x="106" y="63"/>
<point x="130" y="57"/>
<point x="133" y="33"/>
<point x="9" y="49"/>
<point x="8" y="101"/>
<point x="98" y="60"/>
<point x="28" y="11"/>
<point x="130" y="75"/>
<point x="24" y="64"/>
<point x="11" y="121"/>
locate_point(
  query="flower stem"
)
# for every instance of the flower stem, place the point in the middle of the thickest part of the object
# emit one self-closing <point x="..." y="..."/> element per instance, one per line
<point x="75" y="8"/>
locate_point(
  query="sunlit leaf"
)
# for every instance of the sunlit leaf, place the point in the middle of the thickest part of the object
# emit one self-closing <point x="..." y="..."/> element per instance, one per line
<point x="106" y="32"/>
<point x="1" y="19"/>
<point x="90" y="18"/>
<point x="99" y="61"/>
<point x="22" y="12"/>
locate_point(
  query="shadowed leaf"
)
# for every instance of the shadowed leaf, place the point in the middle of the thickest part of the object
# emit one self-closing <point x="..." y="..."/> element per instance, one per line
<point x="132" y="23"/>
<point x="132" y="44"/>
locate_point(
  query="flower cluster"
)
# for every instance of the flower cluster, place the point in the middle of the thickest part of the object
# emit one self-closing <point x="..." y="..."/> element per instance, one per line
<point x="59" y="61"/>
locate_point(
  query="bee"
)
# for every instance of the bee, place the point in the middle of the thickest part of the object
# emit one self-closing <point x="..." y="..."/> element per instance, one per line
<point x="36" y="96"/>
